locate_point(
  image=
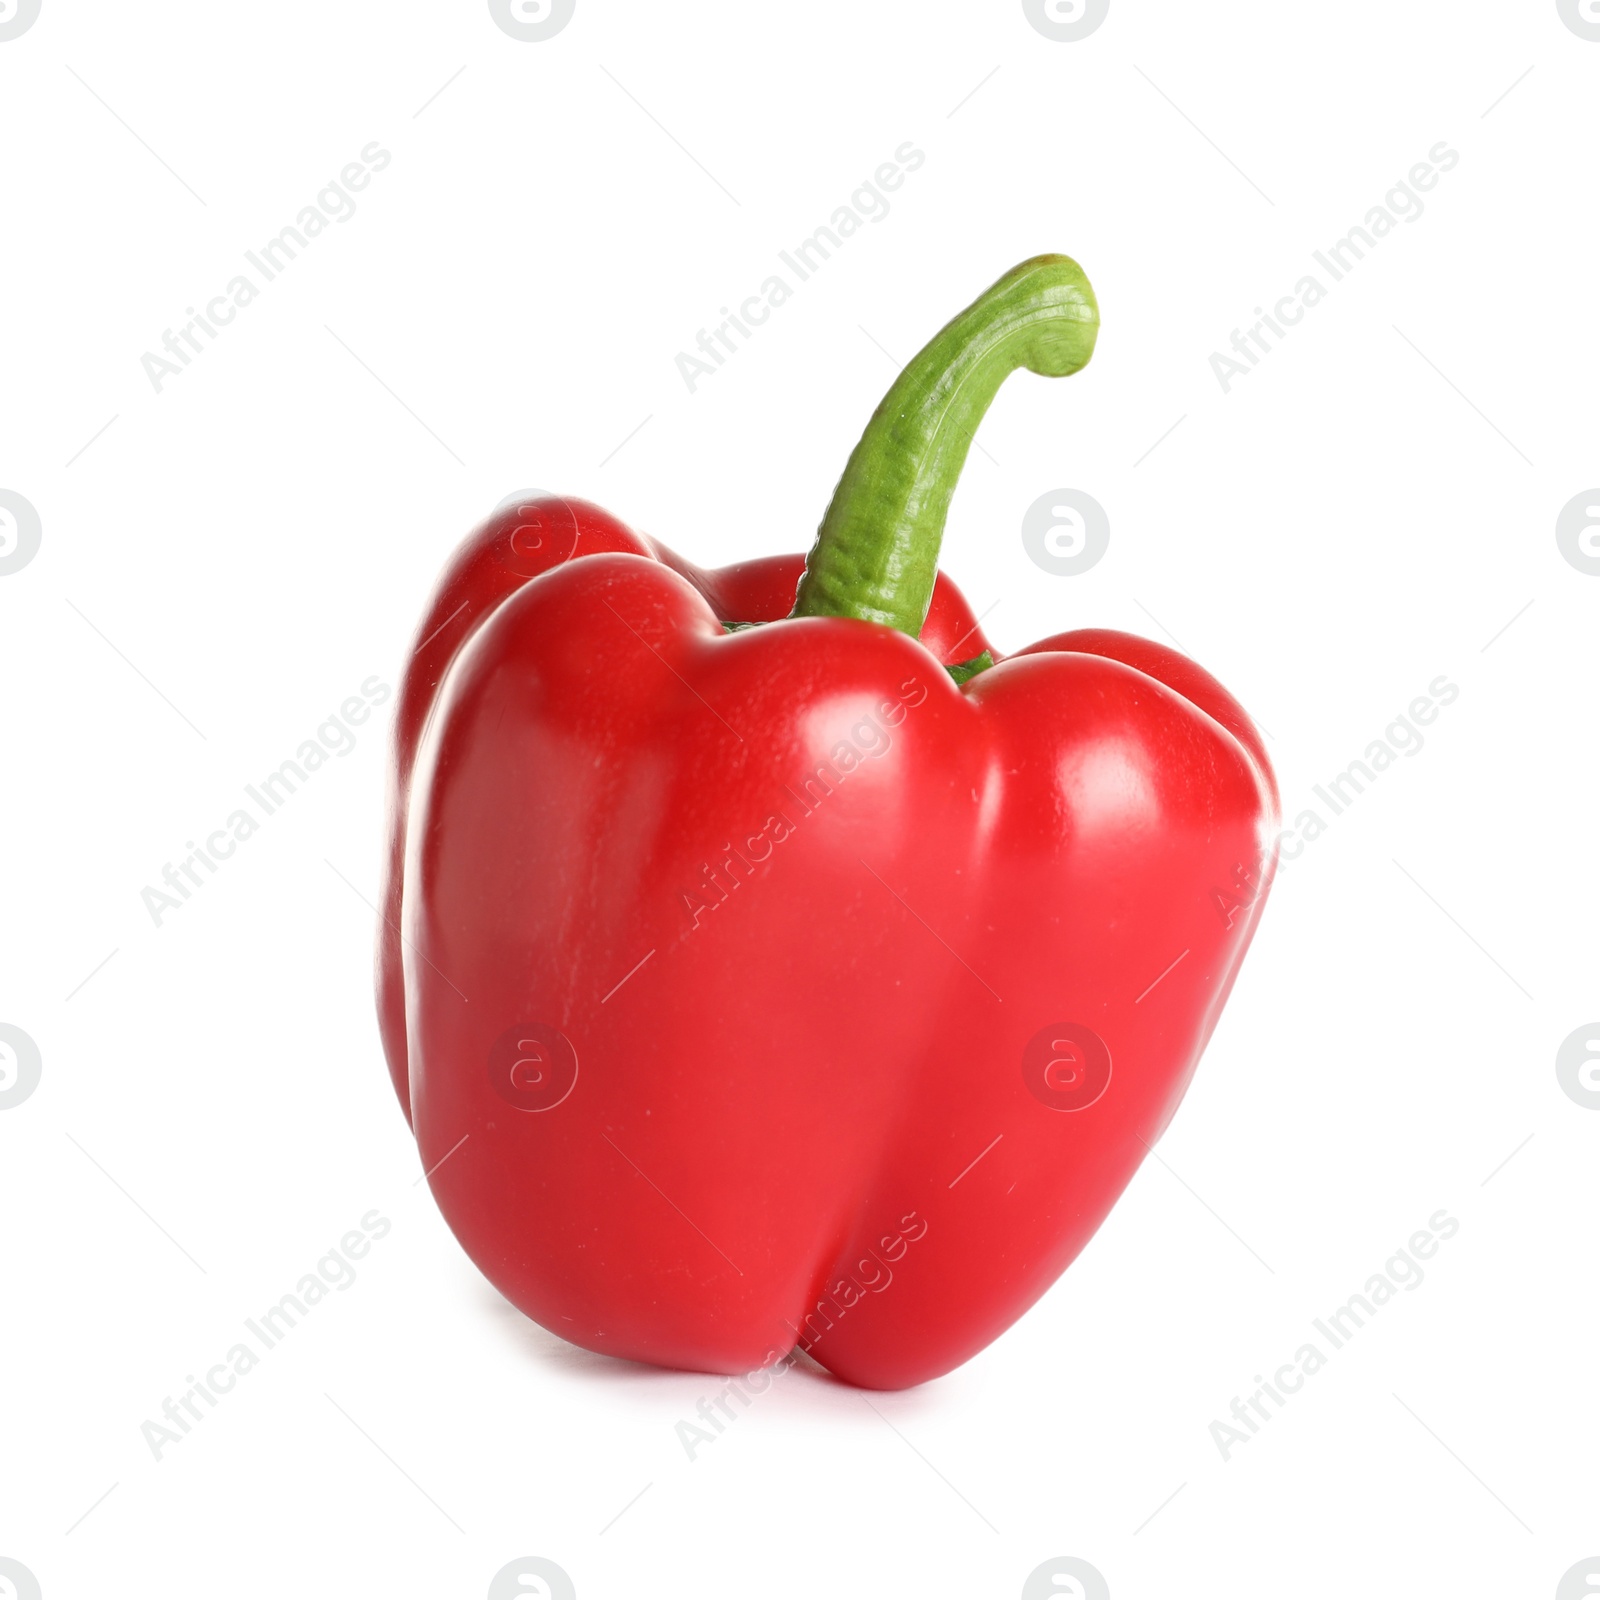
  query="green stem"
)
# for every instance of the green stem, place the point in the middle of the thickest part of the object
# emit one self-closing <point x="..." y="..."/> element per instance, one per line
<point x="877" y="551"/>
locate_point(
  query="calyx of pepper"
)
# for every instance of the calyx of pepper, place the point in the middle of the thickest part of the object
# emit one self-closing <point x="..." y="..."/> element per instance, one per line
<point x="876" y="553"/>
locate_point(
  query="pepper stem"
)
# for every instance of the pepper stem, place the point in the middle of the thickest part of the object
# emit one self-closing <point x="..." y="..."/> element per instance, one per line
<point x="876" y="553"/>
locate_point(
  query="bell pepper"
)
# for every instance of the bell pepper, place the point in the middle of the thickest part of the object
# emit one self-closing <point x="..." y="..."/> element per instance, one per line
<point x="766" y="960"/>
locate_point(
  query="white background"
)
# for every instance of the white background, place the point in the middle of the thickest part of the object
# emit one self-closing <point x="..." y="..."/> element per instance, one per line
<point x="230" y="558"/>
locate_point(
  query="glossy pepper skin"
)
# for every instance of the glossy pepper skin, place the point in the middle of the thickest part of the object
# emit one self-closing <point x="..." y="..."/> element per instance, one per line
<point x="768" y="986"/>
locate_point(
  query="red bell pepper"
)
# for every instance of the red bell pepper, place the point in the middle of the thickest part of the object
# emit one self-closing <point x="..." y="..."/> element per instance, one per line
<point x="763" y="967"/>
